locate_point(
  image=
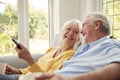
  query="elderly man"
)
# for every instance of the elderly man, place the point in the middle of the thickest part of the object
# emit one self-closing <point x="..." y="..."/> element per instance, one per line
<point x="98" y="59"/>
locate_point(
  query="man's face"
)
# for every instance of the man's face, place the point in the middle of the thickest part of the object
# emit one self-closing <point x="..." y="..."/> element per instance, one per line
<point x="87" y="30"/>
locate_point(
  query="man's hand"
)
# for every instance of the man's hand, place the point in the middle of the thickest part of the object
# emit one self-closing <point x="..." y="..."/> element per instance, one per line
<point x="45" y="76"/>
<point x="54" y="77"/>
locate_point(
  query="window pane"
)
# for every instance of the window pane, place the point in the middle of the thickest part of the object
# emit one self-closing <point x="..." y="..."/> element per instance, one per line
<point x="117" y="34"/>
<point x="104" y="8"/>
<point x="110" y="9"/>
<point x="117" y="22"/>
<point x="107" y="1"/>
<point x="8" y="25"/>
<point x="38" y="26"/>
<point x="104" y="1"/>
<point x="117" y="7"/>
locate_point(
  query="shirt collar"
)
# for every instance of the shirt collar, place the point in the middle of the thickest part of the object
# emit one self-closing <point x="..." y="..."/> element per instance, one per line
<point x="99" y="41"/>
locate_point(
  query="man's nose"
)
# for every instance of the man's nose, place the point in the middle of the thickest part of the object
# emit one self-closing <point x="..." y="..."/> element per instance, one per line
<point x="81" y="31"/>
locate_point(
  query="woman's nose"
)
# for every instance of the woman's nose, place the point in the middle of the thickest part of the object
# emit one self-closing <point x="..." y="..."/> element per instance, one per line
<point x="71" y="32"/>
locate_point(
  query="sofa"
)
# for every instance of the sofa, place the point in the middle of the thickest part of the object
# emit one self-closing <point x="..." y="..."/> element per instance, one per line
<point x="16" y="62"/>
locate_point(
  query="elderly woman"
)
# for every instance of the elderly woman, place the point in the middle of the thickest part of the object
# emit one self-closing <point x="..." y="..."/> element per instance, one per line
<point x="54" y="56"/>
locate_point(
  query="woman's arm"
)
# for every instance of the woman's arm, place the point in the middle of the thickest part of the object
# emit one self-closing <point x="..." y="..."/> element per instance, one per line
<point x="12" y="70"/>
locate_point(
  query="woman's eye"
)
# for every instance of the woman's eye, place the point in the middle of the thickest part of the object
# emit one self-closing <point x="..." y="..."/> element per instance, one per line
<point x="68" y="29"/>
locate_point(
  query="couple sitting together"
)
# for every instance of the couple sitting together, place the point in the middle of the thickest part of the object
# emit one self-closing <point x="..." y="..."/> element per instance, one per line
<point x="97" y="58"/>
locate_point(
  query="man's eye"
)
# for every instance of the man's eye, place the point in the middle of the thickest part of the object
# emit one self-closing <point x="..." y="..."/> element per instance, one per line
<point x="83" y="25"/>
<point x="76" y="32"/>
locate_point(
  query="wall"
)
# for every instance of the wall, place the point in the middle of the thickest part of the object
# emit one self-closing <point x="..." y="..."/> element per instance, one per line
<point x="60" y="12"/>
<point x="64" y="10"/>
<point x="69" y="9"/>
<point x="88" y="6"/>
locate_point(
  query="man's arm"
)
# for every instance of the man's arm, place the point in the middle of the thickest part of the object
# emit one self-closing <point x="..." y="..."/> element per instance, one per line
<point x="109" y="72"/>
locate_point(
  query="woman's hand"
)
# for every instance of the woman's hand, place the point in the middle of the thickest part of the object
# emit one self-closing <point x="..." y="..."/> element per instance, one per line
<point x="25" y="54"/>
<point x="12" y="70"/>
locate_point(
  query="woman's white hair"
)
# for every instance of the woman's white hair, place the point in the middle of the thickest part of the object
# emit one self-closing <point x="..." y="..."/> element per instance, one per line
<point x="75" y="22"/>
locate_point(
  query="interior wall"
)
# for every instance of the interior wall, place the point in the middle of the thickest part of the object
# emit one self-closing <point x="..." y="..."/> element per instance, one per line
<point x="69" y="9"/>
<point x="64" y="10"/>
<point x="88" y="6"/>
<point x="60" y="12"/>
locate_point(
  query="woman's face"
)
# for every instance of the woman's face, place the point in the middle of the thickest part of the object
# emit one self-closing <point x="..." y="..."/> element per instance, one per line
<point x="70" y="34"/>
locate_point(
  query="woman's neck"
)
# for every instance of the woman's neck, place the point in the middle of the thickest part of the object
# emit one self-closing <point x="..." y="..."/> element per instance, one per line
<point x="61" y="49"/>
<point x="65" y="47"/>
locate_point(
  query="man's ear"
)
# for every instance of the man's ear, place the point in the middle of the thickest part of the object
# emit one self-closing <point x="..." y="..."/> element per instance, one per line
<point x="97" y="24"/>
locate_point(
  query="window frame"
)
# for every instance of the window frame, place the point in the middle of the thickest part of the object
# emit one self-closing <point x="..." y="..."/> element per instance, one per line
<point x="23" y="28"/>
<point x="113" y="15"/>
<point x="23" y="25"/>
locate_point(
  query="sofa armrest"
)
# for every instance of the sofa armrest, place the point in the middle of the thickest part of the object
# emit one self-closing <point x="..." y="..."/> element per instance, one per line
<point x="16" y="62"/>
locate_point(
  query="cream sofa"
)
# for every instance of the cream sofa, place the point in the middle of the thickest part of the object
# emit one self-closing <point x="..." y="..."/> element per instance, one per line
<point x="14" y="61"/>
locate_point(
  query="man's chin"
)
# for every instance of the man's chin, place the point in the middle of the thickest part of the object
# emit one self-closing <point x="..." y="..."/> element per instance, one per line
<point x="84" y="39"/>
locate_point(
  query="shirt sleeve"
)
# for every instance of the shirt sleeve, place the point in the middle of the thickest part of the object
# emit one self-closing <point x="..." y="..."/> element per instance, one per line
<point x="36" y="66"/>
<point x="114" y="55"/>
<point x="25" y="70"/>
<point x="33" y="68"/>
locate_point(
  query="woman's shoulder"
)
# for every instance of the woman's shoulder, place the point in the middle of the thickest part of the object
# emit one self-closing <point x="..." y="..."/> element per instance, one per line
<point x="51" y="49"/>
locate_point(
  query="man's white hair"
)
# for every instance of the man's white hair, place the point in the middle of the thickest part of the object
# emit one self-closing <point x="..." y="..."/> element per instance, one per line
<point x="103" y="18"/>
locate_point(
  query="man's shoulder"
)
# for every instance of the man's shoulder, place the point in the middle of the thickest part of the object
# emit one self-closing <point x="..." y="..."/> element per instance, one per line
<point x="111" y="42"/>
<point x="115" y="42"/>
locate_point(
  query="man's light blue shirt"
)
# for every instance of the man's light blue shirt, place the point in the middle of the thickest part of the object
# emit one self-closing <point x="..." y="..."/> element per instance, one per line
<point x="92" y="56"/>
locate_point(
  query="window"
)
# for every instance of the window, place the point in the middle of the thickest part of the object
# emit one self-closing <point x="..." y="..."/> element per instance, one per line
<point x="8" y="25"/>
<point x="38" y="26"/>
<point x="112" y="8"/>
<point x="27" y="21"/>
